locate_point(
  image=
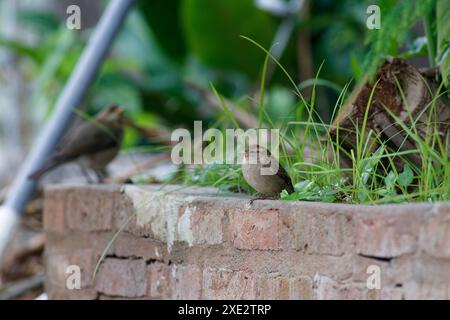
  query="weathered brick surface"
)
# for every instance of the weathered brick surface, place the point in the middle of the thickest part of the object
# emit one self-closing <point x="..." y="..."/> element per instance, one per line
<point x="128" y="245"/>
<point x="435" y="233"/>
<point x="188" y="243"/>
<point x="272" y="287"/>
<point x="301" y="288"/>
<point x="123" y="278"/>
<point x="390" y="232"/>
<point x="206" y="225"/>
<point x="55" y="208"/>
<point x="254" y="229"/>
<point x="228" y="284"/>
<point x="321" y="232"/>
<point x="90" y="211"/>
<point x="329" y="289"/>
<point x="188" y="282"/>
<point x="159" y="281"/>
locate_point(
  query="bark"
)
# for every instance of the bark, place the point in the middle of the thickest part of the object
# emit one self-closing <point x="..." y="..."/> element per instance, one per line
<point x="410" y="104"/>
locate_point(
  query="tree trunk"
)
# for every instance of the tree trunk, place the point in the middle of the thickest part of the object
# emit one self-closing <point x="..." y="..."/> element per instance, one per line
<point x="405" y="92"/>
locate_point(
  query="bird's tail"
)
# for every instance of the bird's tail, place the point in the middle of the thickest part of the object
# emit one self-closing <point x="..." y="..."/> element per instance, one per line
<point x="52" y="163"/>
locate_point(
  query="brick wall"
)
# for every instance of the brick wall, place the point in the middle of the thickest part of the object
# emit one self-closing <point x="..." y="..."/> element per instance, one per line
<point x="191" y="243"/>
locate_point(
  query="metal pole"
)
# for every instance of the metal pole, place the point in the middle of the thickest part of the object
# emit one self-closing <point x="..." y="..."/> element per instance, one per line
<point x="70" y="97"/>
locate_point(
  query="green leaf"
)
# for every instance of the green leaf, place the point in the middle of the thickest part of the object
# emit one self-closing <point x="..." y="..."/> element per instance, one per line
<point x="443" y="37"/>
<point x="51" y="70"/>
<point x="442" y="25"/>
<point x="212" y="30"/>
<point x="396" y="25"/>
<point x="389" y="183"/>
<point x="308" y="190"/>
<point x="369" y="164"/>
<point x="389" y="180"/>
<point x="38" y="20"/>
<point x="163" y="17"/>
<point x="19" y="48"/>
<point x="444" y="65"/>
<point x="305" y="186"/>
<point x="356" y="67"/>
<point x="362" y="196"/>
<point x="406" y="177"/>
<point x="417" y="49"/>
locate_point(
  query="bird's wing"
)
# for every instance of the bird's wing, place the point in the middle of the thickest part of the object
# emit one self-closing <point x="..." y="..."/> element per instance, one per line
<point x="88" y="138"/>
<point x="285" y="176"/>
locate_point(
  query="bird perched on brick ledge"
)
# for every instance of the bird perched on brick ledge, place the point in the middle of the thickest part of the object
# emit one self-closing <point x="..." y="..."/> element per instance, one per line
<point x="96" y="141"/>
<point x="269" y="182"/>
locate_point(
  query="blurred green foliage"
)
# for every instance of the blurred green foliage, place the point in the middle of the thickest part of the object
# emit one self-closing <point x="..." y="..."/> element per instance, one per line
<point x="210" y="34"/>
<point x="166" y="43"/>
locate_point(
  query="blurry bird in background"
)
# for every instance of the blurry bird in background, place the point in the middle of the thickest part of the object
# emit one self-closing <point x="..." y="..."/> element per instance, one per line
<point x="97" y="142"/>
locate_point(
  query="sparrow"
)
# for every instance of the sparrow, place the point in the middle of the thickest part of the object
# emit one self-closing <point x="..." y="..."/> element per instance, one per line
<point x="264" y="173"/>
<point x="97" y="142"/>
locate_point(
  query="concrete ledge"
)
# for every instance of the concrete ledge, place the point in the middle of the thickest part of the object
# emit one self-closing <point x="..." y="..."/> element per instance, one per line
<point x="196" y="243"/>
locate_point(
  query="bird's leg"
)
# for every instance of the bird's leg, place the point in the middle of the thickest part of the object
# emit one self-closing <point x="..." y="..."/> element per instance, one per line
<point x="101" y="174"/>
<point x="262" y="197"/>
<point x="85" y="173"/>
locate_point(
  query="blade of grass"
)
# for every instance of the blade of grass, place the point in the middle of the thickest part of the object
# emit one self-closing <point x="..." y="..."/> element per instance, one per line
<point x="225" y="107"/>
<point x="108" y="246"/>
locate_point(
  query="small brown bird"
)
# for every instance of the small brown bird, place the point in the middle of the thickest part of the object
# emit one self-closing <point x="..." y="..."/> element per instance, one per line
<point x="97" y="142"/>
<point x="263" y="172"/>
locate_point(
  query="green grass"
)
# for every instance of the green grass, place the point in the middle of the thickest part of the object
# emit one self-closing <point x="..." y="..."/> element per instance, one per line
<point x="314" y="162"/>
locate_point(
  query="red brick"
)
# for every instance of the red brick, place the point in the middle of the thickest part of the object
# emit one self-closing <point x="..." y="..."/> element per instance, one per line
<point x="159" y="281"/>
<point x="123" y="278"/>
<point x="90" y="211"/>
<point x="415" y="290"/>
<point x="336" y="242"/>
<point x="55" y="293"/>
<point x="321" y="232"/>
<point x="255" y="230"/>
<point x="57" y="263"/>
<point x="272" y="287"/>
<point x="207" y="225"/>
<point x="301" y="288"/>
<point x="390" y="294"/>
<point x="432" y="270"/>
<point x="400" y="270"/>
<point x="361" y="264"/>
<point x="226" y="284"/>
<point x="189" y="281"/>
<point x="387" y="234"/>
<point x="200" y="224"/>
<point x="326" y="288"/>
<point x="54" y="211"/>
<point x="435" y="234"/>
<point x="127" y="245"/>
<point x="393" y="273"/>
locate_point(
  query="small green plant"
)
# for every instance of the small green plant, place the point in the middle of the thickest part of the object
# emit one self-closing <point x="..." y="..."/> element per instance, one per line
<point x="308" y="190"/>
<point x="313" y="156"/>
<point x="223" y="176"/>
